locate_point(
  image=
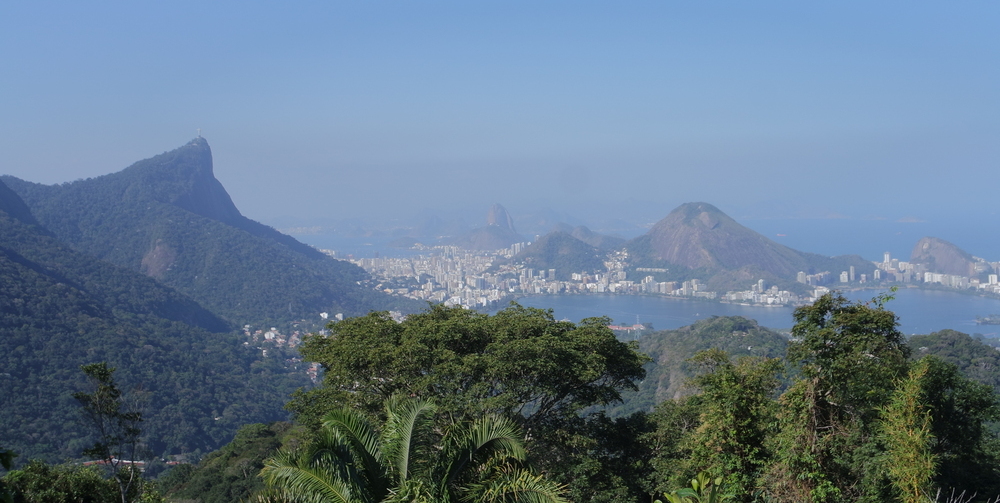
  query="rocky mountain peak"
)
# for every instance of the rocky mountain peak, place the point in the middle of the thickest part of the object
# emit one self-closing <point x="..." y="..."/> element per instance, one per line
<point x="943" y="257"/>
<point x="699" y="235"/>
<point x="499" y="217"/>
<point x="185" y="177"/>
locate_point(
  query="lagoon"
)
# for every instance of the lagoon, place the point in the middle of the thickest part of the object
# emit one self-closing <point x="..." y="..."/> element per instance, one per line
<point x="919" y="311"/>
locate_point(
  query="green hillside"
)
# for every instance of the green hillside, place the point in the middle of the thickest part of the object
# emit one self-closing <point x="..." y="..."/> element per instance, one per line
<point x="60" y="309"/>
<point x="977" y="361"/>
<point x="562" y="252"/>
<point x="169" y="218"/>
<point x="668" y="374"/>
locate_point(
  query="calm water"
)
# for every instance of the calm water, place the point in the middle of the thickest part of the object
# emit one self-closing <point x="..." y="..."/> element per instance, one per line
<point x="919" y="311"/>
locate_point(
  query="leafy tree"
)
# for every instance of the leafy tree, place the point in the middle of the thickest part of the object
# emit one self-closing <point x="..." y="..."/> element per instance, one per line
<point x="520" y="363"/>
<point x="115" y="418"/>
<point x="478" y="461"/>
<point x="230" y="473"/>
<point x="906" y="428"/>
<point x="38" y="482"/>
<point x="737" y="417"/>
<point x="961" y="413"/>
<point x="849" y="356"/>
<point x="670" y="459"/>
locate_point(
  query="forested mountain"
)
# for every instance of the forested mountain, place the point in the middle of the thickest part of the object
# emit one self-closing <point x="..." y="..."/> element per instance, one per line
<point x="977" y="361"/>
<point x="698" y="240"/>
<point x="60" y="309"/>
<point x="668" y="374"/>
<point x="562" y="252"/>
<point x="583" y="233"/>
<point x="169" y="218"/>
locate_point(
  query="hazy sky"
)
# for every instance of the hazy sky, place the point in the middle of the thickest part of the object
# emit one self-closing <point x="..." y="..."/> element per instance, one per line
<point x="596" y="110"/>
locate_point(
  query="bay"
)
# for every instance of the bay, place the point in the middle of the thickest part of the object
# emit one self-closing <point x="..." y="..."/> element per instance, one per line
<point x="919" y="311"/>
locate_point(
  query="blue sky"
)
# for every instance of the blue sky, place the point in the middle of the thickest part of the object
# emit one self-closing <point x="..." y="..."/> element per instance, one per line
<point x="598" y="111"/>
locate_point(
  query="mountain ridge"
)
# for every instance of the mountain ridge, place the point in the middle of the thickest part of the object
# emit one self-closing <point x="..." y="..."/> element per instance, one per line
<point x="63" y="308"/>
<point x="170" y="218"/>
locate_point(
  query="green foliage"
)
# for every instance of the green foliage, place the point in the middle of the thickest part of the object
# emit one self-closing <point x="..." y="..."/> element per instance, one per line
<point x="961" y="410"/>
<point x="63" y="309"/>
<point x="670" y="458"/>
<point x="906" y="429"/>
<point x="668" y="374"/>
<point x="231" y="473"/>
<point x="703" y="489"/>
<point x="38" y="482"/>
<point x="849" y="355"/>
<point x="519" y="363"/>
<point x="478" y="461"/>
<point x="737" y="418"/>
<point x="115" y="419"/>
<point x="976" y="360"/>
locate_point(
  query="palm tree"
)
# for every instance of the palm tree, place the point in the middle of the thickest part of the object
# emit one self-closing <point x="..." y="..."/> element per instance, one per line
<point x="351" y="462"/>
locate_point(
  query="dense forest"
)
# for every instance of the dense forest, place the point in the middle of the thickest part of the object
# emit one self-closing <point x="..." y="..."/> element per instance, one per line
<point x="62" y="309"/>
<point x="844" y="410"/>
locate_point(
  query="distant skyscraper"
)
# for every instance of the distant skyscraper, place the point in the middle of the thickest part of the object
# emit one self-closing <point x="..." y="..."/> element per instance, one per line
<point x="851" y="276"/>
<point x="887" y="258"/>
<point x="843" y="277"/>
<point x="760" y="285"/>
<point x="801" y="277"/>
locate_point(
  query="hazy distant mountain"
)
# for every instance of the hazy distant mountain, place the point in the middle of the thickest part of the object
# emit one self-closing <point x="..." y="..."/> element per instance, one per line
<point x="699" y="237"/>
<point x="498" y="233"/>
<point x="62" y="308"/>
<point x="499" y="217"/>
<point x="943" y="257"/>
<point x="170" y="218"/>
<point x="562" y="252"/>
<point x="583" y="233"/>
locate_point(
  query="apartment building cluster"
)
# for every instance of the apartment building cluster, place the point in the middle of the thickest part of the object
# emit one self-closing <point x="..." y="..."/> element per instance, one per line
<point x="905" y="272"/>
<point x="455" y="276"/>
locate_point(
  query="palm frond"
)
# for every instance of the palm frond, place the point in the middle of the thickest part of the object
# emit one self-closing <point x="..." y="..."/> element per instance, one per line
<point x="404" y="415"/>
<point x="353" y="431"/>
<point x="515" y="485"/>
<point x="487" y="438"/>
<point x="307" y="484"/>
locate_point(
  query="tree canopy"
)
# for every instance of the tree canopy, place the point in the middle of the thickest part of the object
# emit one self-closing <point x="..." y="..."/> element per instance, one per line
<point x="520" y="361"/>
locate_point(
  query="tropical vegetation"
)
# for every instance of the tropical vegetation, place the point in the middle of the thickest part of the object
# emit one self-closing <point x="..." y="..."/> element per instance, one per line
<point x="408" y="459"/>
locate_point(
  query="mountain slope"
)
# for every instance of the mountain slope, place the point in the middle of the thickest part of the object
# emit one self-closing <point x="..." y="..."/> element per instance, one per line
<point x="170" y="218"/>
<point x="699" y="235"/>
<point x="583" y="233"/>
<point x="60" y="309"/>
<point x="562" y="252"/>
<point x="701" y="240"/>
<point x="943" y="257"/>
<point x="669" y="372"/>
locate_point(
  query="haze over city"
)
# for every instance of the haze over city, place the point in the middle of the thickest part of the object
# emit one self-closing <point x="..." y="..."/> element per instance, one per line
<point x="835" y="125"/>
